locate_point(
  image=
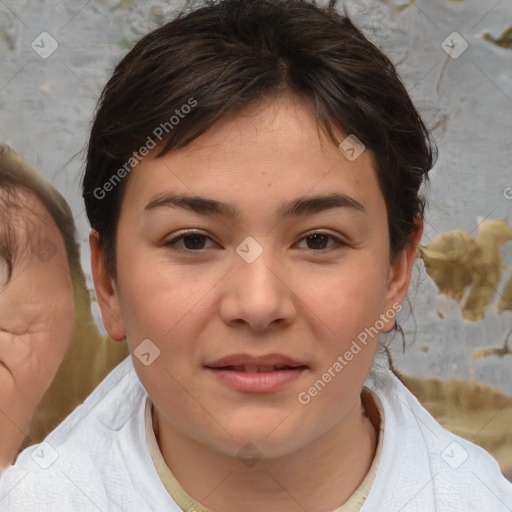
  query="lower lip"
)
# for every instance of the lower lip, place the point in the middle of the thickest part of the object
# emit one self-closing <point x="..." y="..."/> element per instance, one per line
<point x="257" y="382"/>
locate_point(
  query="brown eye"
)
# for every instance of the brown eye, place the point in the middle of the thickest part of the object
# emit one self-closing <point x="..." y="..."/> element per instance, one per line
<point x="193" y="241"/>
<point x="318" y="241"/>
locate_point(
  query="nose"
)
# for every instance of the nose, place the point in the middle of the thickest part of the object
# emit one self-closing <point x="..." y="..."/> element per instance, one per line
<point x="258" y="293"/>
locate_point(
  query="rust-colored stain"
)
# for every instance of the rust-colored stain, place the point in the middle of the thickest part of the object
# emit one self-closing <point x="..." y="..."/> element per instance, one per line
<point x="469" y="270"/>
<point x="504" y="41"/>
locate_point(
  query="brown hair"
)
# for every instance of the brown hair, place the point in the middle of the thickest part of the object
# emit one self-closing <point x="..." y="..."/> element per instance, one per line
<point x="230" y="53"/>
<point x="15" y="176"/>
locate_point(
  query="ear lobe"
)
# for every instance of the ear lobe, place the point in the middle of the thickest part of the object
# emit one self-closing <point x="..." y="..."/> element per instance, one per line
<point x="400" y="275"/>
<point x="106" y="291"/>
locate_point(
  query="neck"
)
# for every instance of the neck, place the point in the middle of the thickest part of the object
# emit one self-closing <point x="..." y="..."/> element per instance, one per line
<point x="320" y="476"/>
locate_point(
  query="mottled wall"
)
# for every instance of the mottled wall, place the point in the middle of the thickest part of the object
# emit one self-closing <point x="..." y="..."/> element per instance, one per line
<point x="46" y="106"/>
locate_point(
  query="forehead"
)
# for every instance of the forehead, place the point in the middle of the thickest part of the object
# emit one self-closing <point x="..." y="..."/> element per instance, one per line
<point x="262" y="154"/>
<point x="27" y="220"/>
<point x="24" y="210"/>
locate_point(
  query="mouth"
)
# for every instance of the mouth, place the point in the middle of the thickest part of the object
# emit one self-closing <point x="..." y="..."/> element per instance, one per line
<point x="256" y="369"/>
<point x="256" y="374"/>
<point x="267" y="362"/>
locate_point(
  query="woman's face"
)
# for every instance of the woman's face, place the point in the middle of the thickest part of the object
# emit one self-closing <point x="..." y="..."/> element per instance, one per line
<point x="37" y="313"/>
<point x="250" y="290"/>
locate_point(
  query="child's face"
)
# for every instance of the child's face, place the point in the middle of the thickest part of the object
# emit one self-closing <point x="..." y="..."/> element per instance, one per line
<point x="296" y="299"/>
<point x="37" y="312"/>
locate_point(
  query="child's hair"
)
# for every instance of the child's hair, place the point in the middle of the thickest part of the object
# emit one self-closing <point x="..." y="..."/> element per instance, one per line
<point x="17" y="176"/>
<point x="228" y="54"/>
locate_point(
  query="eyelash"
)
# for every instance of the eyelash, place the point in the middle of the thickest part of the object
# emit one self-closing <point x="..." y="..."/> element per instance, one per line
<point x="172" y="244"/>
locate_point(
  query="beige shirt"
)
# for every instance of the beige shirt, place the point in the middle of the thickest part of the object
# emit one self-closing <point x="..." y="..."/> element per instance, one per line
<point x="371" y="403"/>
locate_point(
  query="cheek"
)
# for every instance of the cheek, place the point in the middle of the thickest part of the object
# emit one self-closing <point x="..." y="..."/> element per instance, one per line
<point x="347" y="297"/>
<point x="347" y="305"/>
<point x="55" y="291"/>
<point x="159" y="298"/>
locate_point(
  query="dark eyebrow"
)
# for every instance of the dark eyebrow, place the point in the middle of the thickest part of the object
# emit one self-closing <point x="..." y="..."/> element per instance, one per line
<point x="296" y="207"/>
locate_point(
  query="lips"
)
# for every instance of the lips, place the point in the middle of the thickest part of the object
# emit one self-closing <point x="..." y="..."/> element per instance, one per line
<point x="248" y="363"/>
<point x="261" y="369"/>
<point x="251" y="374"/>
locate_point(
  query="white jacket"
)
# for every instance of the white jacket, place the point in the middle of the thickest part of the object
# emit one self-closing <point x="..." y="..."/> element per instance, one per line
<point x="97" y="459"/>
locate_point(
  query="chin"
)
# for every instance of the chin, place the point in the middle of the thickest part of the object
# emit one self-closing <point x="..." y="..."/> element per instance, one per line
<point x="268" y="438"/>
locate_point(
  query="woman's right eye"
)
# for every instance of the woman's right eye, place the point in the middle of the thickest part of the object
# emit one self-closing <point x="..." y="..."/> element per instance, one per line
<point x="191" y="240"/>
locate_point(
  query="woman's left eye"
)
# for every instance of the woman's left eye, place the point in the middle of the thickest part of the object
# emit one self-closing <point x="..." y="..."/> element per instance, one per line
<point x="194" y="241"/>
<point x="318" y="238"/>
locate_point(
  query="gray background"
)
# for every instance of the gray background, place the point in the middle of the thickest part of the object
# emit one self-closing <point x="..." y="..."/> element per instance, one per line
<point x="46" y="108"/>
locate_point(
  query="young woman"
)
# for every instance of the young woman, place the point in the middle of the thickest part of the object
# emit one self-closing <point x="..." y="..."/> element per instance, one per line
<point x="252" y="185"/>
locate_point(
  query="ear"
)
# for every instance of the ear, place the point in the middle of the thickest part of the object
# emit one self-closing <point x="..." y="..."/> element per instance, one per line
<point x="106" y="291"/>
<point x="400" y="276"/>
